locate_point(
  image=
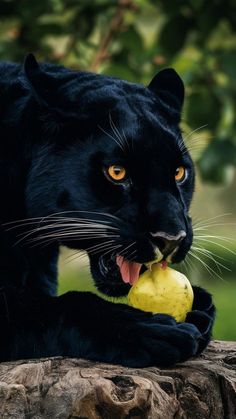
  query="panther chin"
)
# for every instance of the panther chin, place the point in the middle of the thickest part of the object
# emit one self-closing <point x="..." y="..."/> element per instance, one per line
<point x="114" y="275"/>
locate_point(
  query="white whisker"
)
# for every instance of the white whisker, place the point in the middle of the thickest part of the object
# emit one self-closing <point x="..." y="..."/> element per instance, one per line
<point x="116" y="132"/>
<point x="56" y="216"/>
<point x="195" y="130"/>
<point x="115" y="247"/>
<point x="207" y="226"/>
<point x="213" y="236"/>
<point x="190" y="263"/>
<point x="211" y="257"/>
<point x="71" y="236"/>
<point x="77" y="255"/>
<point x="127" y="247"/>
<point x="125" y="139"/>
<point x="212" y="218"/>
<point x="109" y="135"/>
<point x="207" y="267"/>
<point x="219" y="245"/>
<point x="207" y="251"/>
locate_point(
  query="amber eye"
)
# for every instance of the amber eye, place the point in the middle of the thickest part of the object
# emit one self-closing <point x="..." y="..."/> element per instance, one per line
<point x="180" y="174"/>
<point x="116" y="172"/>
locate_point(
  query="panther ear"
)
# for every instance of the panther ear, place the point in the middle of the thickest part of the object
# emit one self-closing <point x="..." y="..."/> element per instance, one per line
<point x="168" y="86"/>
<point x="45" y="87"/>
<point x="31" y="66"/>
<point x="43" y="84"/>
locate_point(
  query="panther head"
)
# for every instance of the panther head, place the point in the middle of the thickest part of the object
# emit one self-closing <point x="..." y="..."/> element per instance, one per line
<point x="110" y="173"/>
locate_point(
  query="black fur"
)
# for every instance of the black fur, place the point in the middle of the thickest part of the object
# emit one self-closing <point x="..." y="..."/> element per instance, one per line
<point x="59" y="131"/>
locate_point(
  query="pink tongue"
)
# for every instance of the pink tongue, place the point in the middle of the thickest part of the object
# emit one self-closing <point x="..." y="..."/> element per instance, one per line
<point x="129" y="270"/>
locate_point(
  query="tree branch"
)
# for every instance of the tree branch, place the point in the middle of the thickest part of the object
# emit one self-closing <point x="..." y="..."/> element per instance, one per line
<point x="102" y="53"/>
<point x="203" y="388"/>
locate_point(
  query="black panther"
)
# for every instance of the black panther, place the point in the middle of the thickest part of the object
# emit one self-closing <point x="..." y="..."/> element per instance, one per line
<point x="99" y="164"/>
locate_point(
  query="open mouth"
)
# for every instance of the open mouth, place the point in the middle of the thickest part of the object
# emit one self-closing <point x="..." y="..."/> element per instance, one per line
<point x="114" y="275"/>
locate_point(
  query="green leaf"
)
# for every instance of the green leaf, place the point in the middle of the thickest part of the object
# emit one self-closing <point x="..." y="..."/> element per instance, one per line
<point x="217" y="162"/>
<point x="173" y="35"/>
<point x="203" y="107"/>
<point x="227" y="63"/>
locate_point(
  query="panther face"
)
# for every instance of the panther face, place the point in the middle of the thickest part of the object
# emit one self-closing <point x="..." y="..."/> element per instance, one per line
<point x="110" y="173"/>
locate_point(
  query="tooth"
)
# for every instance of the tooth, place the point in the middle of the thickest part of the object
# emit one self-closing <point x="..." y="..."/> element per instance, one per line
<point x="159" y="257"/>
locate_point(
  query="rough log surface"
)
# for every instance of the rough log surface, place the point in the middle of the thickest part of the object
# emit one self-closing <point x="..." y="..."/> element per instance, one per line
<point x="73" y="388"/>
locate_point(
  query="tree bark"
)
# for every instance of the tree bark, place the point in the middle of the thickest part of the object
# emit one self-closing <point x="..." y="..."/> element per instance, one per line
<point x="201" y="388"/>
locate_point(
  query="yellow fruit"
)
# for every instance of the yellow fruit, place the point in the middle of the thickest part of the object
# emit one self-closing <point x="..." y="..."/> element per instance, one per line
<point x="162" y="291"/>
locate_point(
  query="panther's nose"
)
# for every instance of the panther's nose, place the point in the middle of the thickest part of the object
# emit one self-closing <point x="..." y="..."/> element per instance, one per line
<point x="166" y="242"/>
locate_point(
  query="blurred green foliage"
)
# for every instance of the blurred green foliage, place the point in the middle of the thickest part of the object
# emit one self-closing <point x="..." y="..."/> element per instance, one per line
<point x="133" y="39"/>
